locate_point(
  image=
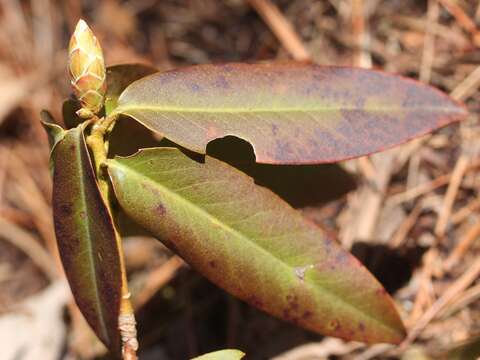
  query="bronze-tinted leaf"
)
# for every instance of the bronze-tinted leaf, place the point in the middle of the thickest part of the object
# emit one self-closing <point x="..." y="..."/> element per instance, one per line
<point x="248" y="241"/>
<point x="86" y="237"/>
<point x="119" y="77"/>
<point x="290" y="113"/>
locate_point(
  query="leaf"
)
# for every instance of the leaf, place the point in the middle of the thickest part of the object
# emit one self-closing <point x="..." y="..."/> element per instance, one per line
<point x="129" y="136"/>
<point x="228" y="354"/>
<point x="248" y="241"/>
<point x="86" y="237"/>
<point x="119" y="77"/>
<point x="299" y="185"/>
<point x="290" y="113"/>
<point x="55" y="132"/>
<point x="69" y="112"/>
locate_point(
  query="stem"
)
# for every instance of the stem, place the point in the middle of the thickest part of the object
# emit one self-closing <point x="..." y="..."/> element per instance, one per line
<point x="126" y="320"/>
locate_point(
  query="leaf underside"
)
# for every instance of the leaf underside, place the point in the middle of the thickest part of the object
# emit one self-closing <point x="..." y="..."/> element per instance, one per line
<point x="55" y="132"/>
<point x="248" y="241"/>
<point x="86" y="237"/>
<point x="228" y="354"/>
<point x="290" y="113"/>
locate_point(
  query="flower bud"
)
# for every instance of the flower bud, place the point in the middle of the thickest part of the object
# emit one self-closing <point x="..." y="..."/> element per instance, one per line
<point x="87" y="70"/>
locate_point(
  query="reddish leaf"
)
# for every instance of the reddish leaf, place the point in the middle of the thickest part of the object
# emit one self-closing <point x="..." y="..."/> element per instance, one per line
<point x="290" y="113"/>
<point x="86" y="237"/>
<point x="248" y="241"/>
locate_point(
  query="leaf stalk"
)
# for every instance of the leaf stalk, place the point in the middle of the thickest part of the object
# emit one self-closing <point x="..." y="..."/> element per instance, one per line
<point x="98" y="143"/>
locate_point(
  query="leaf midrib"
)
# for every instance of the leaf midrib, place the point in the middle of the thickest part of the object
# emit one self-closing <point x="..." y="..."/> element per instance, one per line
<point x="98" y="301"/>
<point x="172" y="109"/>
<point x="227" y="228"/>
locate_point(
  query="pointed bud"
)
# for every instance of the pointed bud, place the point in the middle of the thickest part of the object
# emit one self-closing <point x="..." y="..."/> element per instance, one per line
<point x="87" y="70"/>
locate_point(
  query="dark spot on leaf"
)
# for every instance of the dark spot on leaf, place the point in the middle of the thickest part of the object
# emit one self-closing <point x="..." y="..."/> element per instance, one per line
<point x="294" y="304"/>
<point x="274" y="129"/>
<point x="66" y="209"/>
<point x="212" y="264"/>
<point x="381" y="292"/>
<point x="195" y="87"/>
<point x="307" y="314"/>
<point x="361" y="326"/>
<point x="283" y="149"/>
<point x="221" y="82"/>
<point x="255" y="301"/>
<point x="341" y="257"/>
<point x="227" y="67"/>
<point x="291" y="298"/>
<point x="160" y="209"/>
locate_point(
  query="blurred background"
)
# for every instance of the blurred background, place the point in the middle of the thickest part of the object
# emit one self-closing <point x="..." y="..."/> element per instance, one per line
<point x="411" y="214"/>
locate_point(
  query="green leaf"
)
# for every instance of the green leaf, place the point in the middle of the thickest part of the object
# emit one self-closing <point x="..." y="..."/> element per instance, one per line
<point x="228" y="354"/>
<point x="248" y="241"/>
<point x="290" y="113"/>
<point x="69" y="112"/>
<point x="119" y="77"/>
<point x="86" y="237"/>
<point x="299" y="185"/>
<point x="55" y="132"/>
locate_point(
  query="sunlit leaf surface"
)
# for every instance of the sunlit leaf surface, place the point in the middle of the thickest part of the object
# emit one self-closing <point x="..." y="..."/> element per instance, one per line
<point x="290" y="113"/>
<point x="228" y="354"/>
<point x="248" y="241"/>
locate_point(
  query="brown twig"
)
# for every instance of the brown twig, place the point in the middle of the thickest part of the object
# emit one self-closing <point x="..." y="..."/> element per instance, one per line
<point x="423" y="297"/>
<point x="29" y="245"/>
<point x="468" y="86"/>
<point x="468" y="297"/>
<point x="406" y="226"/>
<point x="360" y="34"/>
<point x="282" y="28"/>
<point x="424" y="188"/>
<point x="457" y="176"/>
<point x="428" y="53"/>
<point x="463" y="19"/>
<point x="465" y="212"/>
<point x="453" y="290"/>
<point x="461" y="248"/>
<point x="157" y="279"/>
